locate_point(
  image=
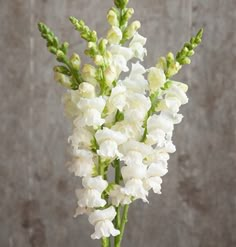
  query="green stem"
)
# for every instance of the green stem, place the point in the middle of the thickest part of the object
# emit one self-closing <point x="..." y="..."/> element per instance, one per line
<point x="124" y="220"/>
<point x="105" y="242"/>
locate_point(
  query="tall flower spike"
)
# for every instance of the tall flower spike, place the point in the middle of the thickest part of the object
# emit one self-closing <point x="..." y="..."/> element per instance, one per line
<point x="122" y="124"/>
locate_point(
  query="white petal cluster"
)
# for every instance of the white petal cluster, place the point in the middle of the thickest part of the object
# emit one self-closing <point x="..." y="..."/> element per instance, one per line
<point x="125" y="125"/>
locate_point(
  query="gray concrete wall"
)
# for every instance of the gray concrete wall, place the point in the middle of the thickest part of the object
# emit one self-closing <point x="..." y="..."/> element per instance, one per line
<point x="198" y="205"/>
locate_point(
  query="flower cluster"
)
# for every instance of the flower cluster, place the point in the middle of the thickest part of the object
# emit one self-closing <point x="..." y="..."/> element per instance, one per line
<point x="123" y="117"/>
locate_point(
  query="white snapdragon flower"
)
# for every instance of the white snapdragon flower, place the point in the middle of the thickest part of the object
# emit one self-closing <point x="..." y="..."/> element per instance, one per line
<point x="91" y="110"/>
<point x="134" y="175"/>
<point x="134" y="152"/>
<point x="119" y="57"/>
<point x="82" y="163"/>
<point x="102" y="220"/>
<point x="90" y="196"/>
<point x="137" y="107"/>
<point x="108" y="141"/>
<point x="132" y="130"/>
<point x="156" y="78"/>
<point x="117" y="99"/>
<point x="81" y="138"/>
<point x="135" y="188"/>
<point x="137" y="46"/>
<point x="136" y="82"/>
<point x="154" y="173"/>
<point x="118" y="196"/>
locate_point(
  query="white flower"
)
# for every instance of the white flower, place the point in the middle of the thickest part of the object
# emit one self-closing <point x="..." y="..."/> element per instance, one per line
<point x="137" y="107"/>
<point x="136" y="82"/>
<point x="178" y="93"/>
<point x="134" y="152"/>
<point x="102" y="220"/>
<point x="160" y="122"/>
<point x="81" y="138"/>
<point x="119" y="57"/>
<point x="132" y="130"/>
<point x="82" y="163"/>
<point x="91" y="110"/>
<point x="154" y="173"/>
<point x="90" y="196"/>
<point x="126" y="52"/>
<point x="135" y="188"/>
<point x="156" y="79"/>
<point x="137" y="44"/>
<point x="135" y="170"/>
<point x="117" y="99"/>
<point x="87" y="90"/>
<point x="114" y="35"/>
<point x="108" y="141"/>
<point x="118" y="197"/>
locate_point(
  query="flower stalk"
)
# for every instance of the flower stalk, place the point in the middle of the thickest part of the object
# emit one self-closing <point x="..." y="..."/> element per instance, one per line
<point x="121" y="124"/>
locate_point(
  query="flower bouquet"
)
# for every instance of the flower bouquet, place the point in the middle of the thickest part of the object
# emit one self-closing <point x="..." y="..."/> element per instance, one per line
<point x="123" y="117"/>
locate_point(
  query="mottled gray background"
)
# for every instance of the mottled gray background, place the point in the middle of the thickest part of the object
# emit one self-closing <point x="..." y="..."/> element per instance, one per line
<point x="198" y="205"/>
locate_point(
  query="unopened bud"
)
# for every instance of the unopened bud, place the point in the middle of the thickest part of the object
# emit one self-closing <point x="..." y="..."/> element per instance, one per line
<point x="128" y="14"/>
<point x="102" y="45"/>
<point x="110" y="75"/>
<point x="64" y="80"/>
<point x="87" y="90"/>
<point x="75" y="61"/>
<point x="89" y="73"/>
<point x="131" y="29"/>
<point x="186" y="60"/>
<point x="98" y="60"/>
<point x="114" y="35"/>
<point x="60" y="56"/>
<point x="112" y="18"/>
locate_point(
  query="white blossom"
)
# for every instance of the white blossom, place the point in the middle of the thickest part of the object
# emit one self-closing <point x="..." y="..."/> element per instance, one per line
<point x="108" y="141"/>
<point x="91" y="110"/>
<point x="137" y="46"/>
<point x="90" y="196"/>
<point x="156" y="78"/>
<point x="102" y="220"/>
<point x="118" y="196"/>
<point x="82" y="163"/>
<point x="136" y="82"/>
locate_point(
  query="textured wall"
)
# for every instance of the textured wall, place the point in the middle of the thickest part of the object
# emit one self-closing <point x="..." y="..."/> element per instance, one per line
<point x="198" y="205"/>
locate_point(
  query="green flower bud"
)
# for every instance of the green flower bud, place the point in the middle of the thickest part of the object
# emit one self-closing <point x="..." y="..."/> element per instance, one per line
<point x="112" y="18"/>
<point x="128" y="14"/>
<point x="131" y="29"/>
<point x="62" y="69"/>
<point x="102" y="45"/>
<point x="64" y="80"/>
<point x="75" y="61"/>
<point x="186" y="60"/>
<point x="60" y="56"/>
<point x="170" y="57"/>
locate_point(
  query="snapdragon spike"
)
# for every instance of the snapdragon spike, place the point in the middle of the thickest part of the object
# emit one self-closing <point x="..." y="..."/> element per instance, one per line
<point x="120" y="123"/>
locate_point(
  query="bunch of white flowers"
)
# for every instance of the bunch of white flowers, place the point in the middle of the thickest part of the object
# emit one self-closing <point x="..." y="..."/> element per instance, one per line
<point x="121" y="123"/>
